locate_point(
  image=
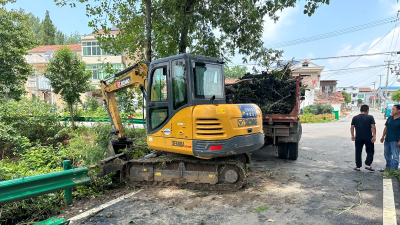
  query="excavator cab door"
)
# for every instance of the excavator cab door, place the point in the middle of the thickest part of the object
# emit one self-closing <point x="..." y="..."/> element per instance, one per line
<point x="157" y="100"/>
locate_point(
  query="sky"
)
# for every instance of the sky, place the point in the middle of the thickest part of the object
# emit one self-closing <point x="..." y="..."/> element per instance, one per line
<point x="293" y="24"/>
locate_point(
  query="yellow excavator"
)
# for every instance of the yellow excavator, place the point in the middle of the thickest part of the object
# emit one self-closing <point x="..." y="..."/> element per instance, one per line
<point x="200" y="142"/>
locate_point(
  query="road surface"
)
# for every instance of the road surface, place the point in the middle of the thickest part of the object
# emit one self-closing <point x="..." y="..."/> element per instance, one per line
<point x="320" y="187"/>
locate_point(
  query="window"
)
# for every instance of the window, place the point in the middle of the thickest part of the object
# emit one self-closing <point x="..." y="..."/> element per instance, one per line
<point x="305" y="65"/>
<point x="92" y="49"/>
<point x="208" y="80"/>
<point x="354" y="95"/>
<point x="159" y="85"/>
<point x="179" y="86"/>
<point x="158" y="116"/>
<point x="98" y="72"/>
<point x="158" y="93"/>
<point x="360" y="96"/>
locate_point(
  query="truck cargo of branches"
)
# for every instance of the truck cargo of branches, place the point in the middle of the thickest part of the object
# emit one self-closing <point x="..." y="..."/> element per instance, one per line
<point x="284" y="130"/>
<point x="278" y="94"/>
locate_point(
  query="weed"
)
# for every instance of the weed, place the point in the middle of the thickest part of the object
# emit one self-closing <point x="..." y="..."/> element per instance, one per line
<point x="261" y="209"/>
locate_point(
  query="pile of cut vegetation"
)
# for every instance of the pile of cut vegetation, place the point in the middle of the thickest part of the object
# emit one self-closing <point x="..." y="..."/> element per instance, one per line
<point x="274" y="92"/>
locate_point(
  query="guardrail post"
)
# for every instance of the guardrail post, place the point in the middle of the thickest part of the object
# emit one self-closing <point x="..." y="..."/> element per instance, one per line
<point x="67" y="192"/>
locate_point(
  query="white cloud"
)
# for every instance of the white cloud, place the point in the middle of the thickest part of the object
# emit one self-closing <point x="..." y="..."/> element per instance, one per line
<point x="310" y="55"/>
<point x="273" y="29"/>
<point x="392" y="5"/>
<point x="368" y="76"/>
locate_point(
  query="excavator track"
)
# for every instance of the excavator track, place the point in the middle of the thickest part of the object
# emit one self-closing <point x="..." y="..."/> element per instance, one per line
<point x="219" y="174"/>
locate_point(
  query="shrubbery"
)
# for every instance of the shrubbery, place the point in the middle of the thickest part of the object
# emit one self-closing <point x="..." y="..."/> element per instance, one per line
<point x="34" y="142"/>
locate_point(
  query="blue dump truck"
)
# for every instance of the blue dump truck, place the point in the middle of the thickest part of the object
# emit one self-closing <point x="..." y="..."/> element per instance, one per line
<point x="388" y="109"/>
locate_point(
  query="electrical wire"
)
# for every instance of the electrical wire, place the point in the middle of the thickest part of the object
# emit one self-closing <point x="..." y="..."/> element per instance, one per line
<point x="334" y="33"/>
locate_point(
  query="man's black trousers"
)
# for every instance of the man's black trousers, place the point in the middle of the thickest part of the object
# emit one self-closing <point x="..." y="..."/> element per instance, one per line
<point x="369" y="147"/>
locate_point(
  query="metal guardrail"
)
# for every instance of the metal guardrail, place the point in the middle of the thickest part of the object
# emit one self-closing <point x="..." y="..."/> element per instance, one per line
<point x="95" y="119"/>
<point x="28" y="187"/>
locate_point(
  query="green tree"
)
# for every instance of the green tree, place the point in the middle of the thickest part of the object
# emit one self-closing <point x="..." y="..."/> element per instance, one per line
<point x="346" y="96"/>
<point x="181" y="26"/>
<point x="36" y="25"/>
<point x="49" y="31"/>
<point x="15" y="39"/>
<point x="68" y="77"/>
<point x="60" y="38"/>
<point x="235" y="72"/>
<point x="396" y="96"/>
<point x="74" y="38"/>
<point x="359" y="101"/>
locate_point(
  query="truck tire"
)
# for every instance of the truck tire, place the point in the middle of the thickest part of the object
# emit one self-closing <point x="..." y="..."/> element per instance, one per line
<point x="283" y="149"/>
<point x="293" y="150"/>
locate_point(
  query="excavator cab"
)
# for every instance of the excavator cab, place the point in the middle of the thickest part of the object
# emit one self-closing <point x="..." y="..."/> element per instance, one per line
<point x="187" y="111"/>
<point x="202" y="142"/>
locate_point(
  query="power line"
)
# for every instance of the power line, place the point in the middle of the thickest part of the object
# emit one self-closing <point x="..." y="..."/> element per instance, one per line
<point x="370" y="47"/>
<point x="349" y="56"/>
<point x="334" y="33"/>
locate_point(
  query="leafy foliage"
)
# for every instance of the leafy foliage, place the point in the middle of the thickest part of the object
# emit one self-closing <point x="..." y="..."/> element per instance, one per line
<point x="23" y="123"/>
<point x="328" y="109"/>
<point x="49" y="31"/>
<point x="235" y="72"/>
<point x="347" y="97"/>
<point x="274" y="93"/>
<point x="396" y="96"/>
<point x="15" y="39"/>
<point x="359" y="101"/>
<point x="166" y="28"/>
<point x="67" y="75"/>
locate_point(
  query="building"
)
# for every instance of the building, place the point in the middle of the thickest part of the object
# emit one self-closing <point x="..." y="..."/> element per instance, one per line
<point x="91" y="53"/>
<point x="335" y="99"/>
<point x="310" y="77"/>
<point x="328" y="85"/>
<point x="355" y="94"/>
<point x="390" y="90"/>
<point x="95" y="57"/>
<point x="37" y="85"/>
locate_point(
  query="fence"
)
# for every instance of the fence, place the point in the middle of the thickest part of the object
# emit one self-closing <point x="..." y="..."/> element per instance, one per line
<point x="323" y="116"/>
<point x="95" y="119"/>
<point x="28" y="187"/>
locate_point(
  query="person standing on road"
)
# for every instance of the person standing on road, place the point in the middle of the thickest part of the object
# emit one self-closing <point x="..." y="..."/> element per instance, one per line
<point x="364" y="125"/>
<point x="392" y="140"/>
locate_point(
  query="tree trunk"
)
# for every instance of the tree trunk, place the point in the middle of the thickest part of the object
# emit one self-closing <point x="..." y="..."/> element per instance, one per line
<point x="71" y="112"/>
<point x="148" y="31"/>
<point x="185" y="30"/>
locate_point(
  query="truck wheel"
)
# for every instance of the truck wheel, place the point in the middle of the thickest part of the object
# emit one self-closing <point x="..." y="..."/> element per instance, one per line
<point x="293" y="150"/>
<point x="283" y="149"/>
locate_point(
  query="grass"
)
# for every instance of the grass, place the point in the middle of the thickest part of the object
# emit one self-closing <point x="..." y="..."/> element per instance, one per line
<point x="261" y="209"/>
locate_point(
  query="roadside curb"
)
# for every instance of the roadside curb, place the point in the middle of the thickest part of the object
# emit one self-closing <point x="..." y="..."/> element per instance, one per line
<point x="97" y="209"/>
<point x="346" y="116"/>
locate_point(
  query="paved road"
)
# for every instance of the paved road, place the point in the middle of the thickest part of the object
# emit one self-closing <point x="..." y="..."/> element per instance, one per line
<point x="320" y="187"/>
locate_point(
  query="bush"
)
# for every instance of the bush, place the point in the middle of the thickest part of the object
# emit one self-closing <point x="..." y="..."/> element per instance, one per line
<point x="308" y="110"/>
<point x="319" y="109"/>
<point x="328" y="109"/>
<point x="27" y="122"/>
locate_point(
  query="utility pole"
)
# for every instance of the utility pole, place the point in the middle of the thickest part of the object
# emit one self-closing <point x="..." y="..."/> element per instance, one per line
<point x="379" y="99"/>
<point x="374" y="96"/>
<point x="327" y="94"/>
<point x="387" y="80"/>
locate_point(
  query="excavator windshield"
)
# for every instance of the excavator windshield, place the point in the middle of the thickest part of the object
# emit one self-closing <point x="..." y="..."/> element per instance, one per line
<point x="208" y="80"/>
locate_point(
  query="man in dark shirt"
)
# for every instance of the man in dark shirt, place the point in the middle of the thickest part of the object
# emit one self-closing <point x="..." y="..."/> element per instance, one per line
<point x="392" y="140"/>
<point x="364" y="125"/>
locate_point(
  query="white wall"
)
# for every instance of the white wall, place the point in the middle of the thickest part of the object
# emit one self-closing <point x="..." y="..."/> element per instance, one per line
<point x="336" y="107"/>
<point x="309" y="99"/>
